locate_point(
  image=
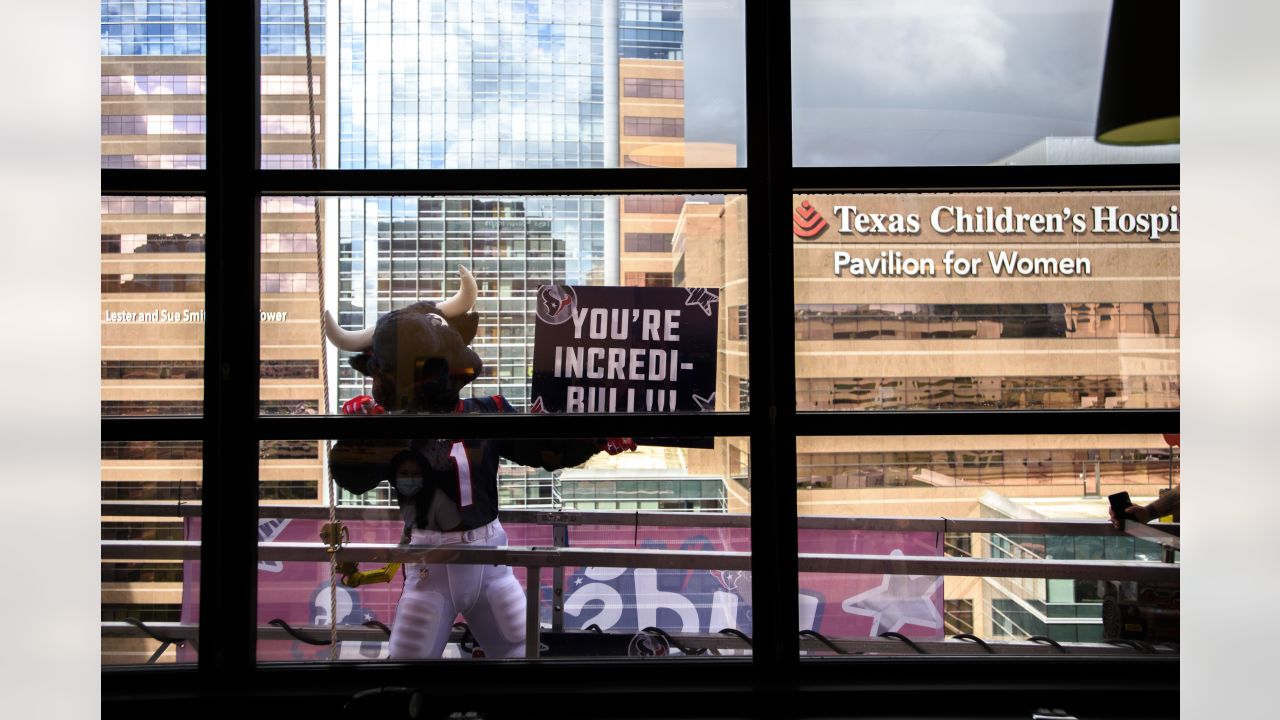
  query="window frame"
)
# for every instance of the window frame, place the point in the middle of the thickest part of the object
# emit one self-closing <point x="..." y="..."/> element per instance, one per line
<point x="230" y="428"/>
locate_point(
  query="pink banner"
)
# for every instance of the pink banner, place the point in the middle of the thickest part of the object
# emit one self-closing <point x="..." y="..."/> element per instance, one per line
<point x="617" y="600"/>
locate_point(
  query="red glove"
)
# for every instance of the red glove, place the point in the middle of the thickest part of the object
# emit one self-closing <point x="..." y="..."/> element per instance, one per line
<point x="613" y="446"/>
<point x="362" y="405"/>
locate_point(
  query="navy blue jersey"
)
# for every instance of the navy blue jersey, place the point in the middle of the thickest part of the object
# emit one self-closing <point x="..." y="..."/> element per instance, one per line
<point x="469" y="477"/>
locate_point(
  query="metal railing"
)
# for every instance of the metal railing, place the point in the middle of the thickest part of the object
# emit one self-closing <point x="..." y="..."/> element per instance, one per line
<point x="534" y="559"/>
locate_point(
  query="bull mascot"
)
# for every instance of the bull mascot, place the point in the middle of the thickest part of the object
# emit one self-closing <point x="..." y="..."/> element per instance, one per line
<point x="418" y="359"/>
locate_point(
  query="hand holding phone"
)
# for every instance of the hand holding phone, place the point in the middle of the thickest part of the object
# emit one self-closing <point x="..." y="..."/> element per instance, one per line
<point x="1119" y="503"/>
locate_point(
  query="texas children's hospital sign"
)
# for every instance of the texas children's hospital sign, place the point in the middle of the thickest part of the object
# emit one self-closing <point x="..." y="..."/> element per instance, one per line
<point x="1009" y="235"/>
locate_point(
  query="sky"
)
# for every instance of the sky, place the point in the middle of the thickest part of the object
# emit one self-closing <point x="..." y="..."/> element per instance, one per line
<point x="910" y="82"/>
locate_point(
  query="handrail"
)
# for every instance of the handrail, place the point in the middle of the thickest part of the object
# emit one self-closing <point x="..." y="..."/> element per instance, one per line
<point x="716" y="641"/>
<point x="1123" y="570"/>
<point x="673" y="519"/>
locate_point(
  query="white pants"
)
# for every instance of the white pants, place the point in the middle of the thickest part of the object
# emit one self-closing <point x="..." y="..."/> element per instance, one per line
<point x="488" y="596"/>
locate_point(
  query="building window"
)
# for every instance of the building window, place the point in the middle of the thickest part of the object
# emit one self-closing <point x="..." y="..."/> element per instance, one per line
<point x="650" y="88"/>
<point x="152" y="283"/>
<point x="647" y="279"/>
<point x="958" y="616"/>
<point x="289" y="369"/>
<point x="288" y="490"/>
<point x="152" y="125"/>
<point x="289" y="84"/>
<point x="152" y="85"/>
<point x="293" y="242"/>
<point x="152" y="369"/>
<point x="290" y="282"/>
<point x="153" y="243"/>
<point x="653" y="126"/>
<point x="646" y="242"/>
<point x="656" y="204"/>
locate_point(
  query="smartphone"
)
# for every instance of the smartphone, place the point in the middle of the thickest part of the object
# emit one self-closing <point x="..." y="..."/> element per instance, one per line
<point x="1119" y="502"/>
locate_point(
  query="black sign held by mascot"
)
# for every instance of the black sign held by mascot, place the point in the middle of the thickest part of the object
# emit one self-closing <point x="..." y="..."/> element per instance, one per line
<point x="419" y="358"/>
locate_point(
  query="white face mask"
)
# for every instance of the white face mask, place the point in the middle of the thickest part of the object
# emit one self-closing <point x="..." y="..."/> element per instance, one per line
<point x="408" y="486"/>
<point x="408" y="479"/>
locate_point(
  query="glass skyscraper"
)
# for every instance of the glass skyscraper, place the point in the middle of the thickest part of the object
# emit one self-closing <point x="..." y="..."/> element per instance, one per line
<point x="454" y="84"/>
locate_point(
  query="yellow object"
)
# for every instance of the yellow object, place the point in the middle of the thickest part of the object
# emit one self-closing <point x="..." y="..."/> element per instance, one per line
<point x="352" y="577"/>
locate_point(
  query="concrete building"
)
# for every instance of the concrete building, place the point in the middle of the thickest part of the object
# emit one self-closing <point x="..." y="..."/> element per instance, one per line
<point x="887" y="340"/>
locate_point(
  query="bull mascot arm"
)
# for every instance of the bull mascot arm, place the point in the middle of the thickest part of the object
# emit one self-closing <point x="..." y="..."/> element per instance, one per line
<point x="553" y="453"/>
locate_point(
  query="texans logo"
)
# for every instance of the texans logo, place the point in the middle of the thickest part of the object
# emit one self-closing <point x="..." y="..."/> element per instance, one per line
<point x="806" y="222"/>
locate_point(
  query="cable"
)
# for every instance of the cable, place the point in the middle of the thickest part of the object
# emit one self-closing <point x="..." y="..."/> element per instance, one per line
<point x="823" y="639"/>
<point x="673" y="642"/>
<point x="1045" y="640"/>
<point x="594" y="628"/>
<point x="905" y="639"/>
<point x="1135" y="644"/>
<point x="974" y="638"/>
<point x="738" y="634"/>
<point x="378" y="625"/>
<point x="297" y="635"/>
<point x="152" y="633"/>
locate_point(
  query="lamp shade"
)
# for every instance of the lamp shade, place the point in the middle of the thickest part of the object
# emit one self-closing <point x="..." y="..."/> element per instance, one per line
<point x="1139" y="104"/>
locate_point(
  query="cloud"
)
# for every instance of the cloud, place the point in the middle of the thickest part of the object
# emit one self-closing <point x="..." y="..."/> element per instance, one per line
<point x="908" y="49"/>
<point x="931" y="82"/>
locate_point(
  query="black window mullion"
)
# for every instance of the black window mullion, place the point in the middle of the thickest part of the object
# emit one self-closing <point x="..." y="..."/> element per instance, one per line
<point x="228" y="548"/>
<point x="639" y="425"/>
<point x="123" y="429"/>
<point x="774" y="544"/>
<point x="154" y="182"/>
<point x="987" y="422"/>
<point x="517" y="181"/>
<point x="1013" y="178"/>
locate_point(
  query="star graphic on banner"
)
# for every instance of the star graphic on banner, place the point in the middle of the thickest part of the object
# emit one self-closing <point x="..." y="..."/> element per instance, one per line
<point x="701" y="297"/>
<point x="705" y="404"/>
<point x="577" y="581"/>
<point x="898" y="600"/>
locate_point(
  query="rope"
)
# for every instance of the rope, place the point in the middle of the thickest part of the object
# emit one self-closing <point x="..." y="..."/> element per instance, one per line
<point x="324" y="355"/>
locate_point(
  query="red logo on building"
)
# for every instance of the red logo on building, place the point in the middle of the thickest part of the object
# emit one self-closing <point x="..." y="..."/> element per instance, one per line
<point x="807" y="223"/>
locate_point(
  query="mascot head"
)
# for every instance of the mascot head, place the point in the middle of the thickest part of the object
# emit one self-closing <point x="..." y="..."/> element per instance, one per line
<point x="418" y="357"/>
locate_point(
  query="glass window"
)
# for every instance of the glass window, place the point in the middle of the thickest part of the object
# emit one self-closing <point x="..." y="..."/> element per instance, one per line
<point x="932" y="82"/>
<point x="152" y="255"/>
<point x="389" y="256"/>
<point x="621" y="601"/>
<point x="1031" y="509"/>
<point x="152" y="77"/>
<point x="970" y="301"/>
<point x="150" y="494"/>
<point x="532" y="85"/>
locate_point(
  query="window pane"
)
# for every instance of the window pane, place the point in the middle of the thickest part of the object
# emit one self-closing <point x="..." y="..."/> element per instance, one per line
<point x="384" y="254"/>
<point x="153" y="85"/>
<point x="152" y="251"/>
<point x="663" y="483"/>
<point x="1017" y="484"/>
<point x="933" y="82"/>
<point x="1008" y="301"/>
<point x="150" y="494"/>
<point x="507" y="84"/>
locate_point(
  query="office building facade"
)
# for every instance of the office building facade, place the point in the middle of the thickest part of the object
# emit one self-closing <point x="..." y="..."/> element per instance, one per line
<point x="153" y="291"/>
<point x="891" y="340"/>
